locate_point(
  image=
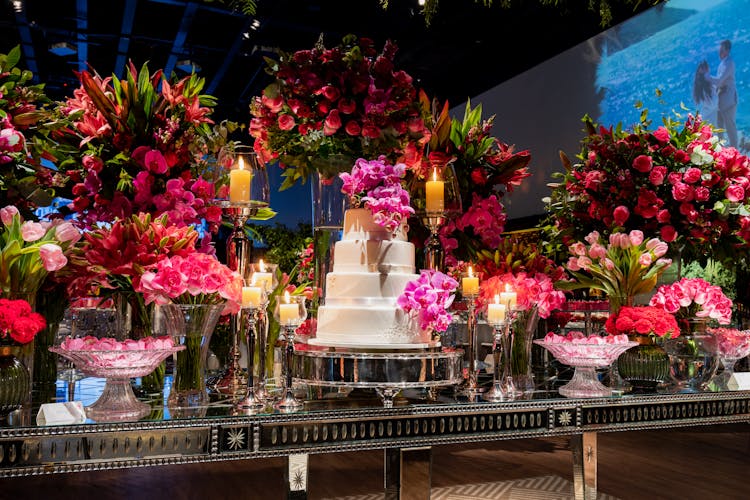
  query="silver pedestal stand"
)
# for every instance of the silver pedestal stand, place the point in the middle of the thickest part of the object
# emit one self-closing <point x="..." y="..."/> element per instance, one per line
<point x="239" y="253"/>
<point x="386" y="372"/>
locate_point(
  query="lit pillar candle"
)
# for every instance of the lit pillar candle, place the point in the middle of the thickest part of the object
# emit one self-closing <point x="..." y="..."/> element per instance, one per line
<point x="288" y="313"/>
<point x="470" y="284"/>
<point x="508" y="298"/>
<point x="251" y="296"/>
<point x="262" y="278"/>
<point x="239" y="182"/>
<point x="496" y="311"/>
<point x="434" y="194"/>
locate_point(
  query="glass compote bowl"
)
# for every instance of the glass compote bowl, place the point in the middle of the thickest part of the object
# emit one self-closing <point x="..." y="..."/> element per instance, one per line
<point x="730" y="345"/>
<point x="585" y="358"/>
<point x="117" y="401"/>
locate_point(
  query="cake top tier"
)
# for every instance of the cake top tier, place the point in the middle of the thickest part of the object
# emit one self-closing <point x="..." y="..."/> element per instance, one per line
<point x="360" y="225"/>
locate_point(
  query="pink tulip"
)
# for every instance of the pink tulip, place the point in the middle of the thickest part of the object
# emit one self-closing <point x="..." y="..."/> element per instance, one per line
<point x="32" y="231"/>
<point x="7" y="214"/>
<point x="67" y="232"/>
<point x="52" y="257"/>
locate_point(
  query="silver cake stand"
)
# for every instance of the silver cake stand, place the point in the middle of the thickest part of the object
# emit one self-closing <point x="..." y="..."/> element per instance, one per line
<point x="388" y="372"/>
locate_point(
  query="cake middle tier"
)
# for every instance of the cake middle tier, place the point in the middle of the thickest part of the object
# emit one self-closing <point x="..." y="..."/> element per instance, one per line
<point x="361" y="288"/>
<point x="374" y="256"/>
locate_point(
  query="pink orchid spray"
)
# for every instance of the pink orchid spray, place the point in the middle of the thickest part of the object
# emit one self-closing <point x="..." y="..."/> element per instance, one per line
<point x="377" y="184"/>
<point x="429" y="297"/>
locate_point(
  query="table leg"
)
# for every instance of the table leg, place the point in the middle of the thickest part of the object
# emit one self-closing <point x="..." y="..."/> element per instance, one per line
<point x="296" y="477"/>
<point x="584" y="465"/>
<point x="408" y="473"/>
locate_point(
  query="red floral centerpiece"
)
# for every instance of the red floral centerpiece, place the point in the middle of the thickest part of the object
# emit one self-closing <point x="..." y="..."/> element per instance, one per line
<point x="347" y="100"/>
<point x="19" y="324"/>
<point x="676" y="182"/>
<point x="642" y="320"/>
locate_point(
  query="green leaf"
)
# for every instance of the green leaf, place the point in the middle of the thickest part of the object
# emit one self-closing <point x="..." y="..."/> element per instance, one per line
<point x="13" y="57"/>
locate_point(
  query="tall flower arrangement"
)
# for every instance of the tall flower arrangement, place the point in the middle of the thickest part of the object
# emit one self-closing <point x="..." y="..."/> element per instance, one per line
<point x="27" y="123"/>
<point x="143" y="145"/>
<point x="348" y="100"/>
<point x="676" y="182"/>
<point x="486" y="168"/>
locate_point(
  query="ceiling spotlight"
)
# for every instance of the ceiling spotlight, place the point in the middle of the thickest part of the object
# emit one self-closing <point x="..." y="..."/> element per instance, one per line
<point x="188" y="66"/>
<point x="63" y="49"/>
<point x="255" y="25"/>
<point x="17" y="5"/>
<point x="420" y="3"/>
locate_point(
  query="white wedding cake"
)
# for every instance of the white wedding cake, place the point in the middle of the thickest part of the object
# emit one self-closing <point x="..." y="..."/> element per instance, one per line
<point x="371" y="267"/>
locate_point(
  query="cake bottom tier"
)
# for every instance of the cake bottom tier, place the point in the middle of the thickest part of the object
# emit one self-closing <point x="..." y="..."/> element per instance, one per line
<point x="368" y="326"/>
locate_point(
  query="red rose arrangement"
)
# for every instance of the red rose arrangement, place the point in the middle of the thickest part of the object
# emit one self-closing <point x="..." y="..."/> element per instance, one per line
<point x="346" y="101"/>
<point x="643" y="320"/>
<point x="18" y="323"/>
<point x="676" y="182"/>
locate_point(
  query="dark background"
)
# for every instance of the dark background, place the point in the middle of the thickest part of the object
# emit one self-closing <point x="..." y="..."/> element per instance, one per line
<point x="468" y="48"/>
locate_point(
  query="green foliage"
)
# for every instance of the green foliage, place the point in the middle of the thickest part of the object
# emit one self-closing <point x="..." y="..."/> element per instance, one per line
<point x="282" y="243"/>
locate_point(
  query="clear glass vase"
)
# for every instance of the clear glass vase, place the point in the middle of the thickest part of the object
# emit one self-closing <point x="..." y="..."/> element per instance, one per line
<point x="691" y="363"/>
<point x="15" y="381"/>
<point x="523" y="331"/>
<point x="328" y="207"/>
<point x="190" y="325"/>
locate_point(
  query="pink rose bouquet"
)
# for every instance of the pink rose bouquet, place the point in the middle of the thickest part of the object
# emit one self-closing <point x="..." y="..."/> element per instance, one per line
<point x="642" y="320"/>
<point x="532" y="290"/>
<point x="194" y="279"/>
<point x="429" y="297"/>
<point x="694" y="298"/>
<point x="377" y="185"/>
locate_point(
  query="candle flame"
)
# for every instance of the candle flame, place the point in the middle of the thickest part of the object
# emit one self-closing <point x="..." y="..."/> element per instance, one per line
<point x="261" y="266"/>
<point x="497" y="299"/>
<point x="252" y="279"/>
<point x="434" y="174"/>
<point x="471" y="272"/>
<point x="242" y="164"/>
<point x="287" y="298"/>
<point x="508" y="288"/>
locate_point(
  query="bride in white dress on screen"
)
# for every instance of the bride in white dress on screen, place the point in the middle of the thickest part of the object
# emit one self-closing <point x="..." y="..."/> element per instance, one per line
<point x="705" y="96"/>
